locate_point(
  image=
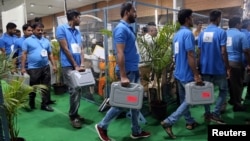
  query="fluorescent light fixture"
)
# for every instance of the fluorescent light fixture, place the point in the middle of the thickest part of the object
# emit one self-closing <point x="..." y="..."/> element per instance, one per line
<point x="31" y="13"/>
<point x="32" y="4"/>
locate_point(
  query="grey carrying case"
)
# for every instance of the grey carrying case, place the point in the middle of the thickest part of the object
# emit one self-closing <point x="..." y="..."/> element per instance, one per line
<point x="80" y="79"/>
<point x="18" y="76"/>
<point x="196" y="94"/>
<point x="126" y="97"/>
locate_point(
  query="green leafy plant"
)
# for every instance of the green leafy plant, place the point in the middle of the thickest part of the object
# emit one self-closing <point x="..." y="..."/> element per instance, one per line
<point x="106" y="32"/>
<point x="56" y="54"/>
<point x="15" y="94"/>
<point x="159" y="55"/>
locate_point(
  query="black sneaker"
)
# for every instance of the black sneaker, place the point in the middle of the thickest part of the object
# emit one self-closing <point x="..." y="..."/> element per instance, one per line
<point x="76" y="123"/>
<point x="247" y="96"/>
<point x="217" y="120"/>
<point x="247" y="121"/>
<point x="102" y="133"/>
<point x="143" y="134"/>
<point x="82" y="119"/>
<point x="207" y="117"/>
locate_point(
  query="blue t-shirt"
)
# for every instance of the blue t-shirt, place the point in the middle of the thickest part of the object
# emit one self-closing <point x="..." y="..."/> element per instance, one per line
<point x="18" y="49"/>
<point x="210" y="42"/>
<point x="73" y="38"/>
<point x="123" y="34"/>
<point x="35" y="51"/>
<point x="247" y="33"/>
<point x="183" y="42"/>
<point x="7" y="42"/>
<point x="236" y="43"/>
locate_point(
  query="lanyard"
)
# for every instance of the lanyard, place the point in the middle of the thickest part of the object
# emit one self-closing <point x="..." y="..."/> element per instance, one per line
<point x="72" y="31"/>
<point x="39" y="41"/>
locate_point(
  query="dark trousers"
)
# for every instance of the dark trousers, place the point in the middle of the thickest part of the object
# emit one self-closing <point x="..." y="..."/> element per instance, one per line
<point x="40" y="76"/>
<point x="236" y="83"/>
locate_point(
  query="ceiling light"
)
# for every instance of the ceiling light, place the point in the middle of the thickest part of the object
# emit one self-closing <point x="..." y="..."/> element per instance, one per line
<point x="32" y="5"/>
<point x="50" y="6"/>
<point x="31" y="13"/>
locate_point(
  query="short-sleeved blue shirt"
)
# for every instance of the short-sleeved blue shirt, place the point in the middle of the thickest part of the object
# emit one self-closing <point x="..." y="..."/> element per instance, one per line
<point x="72" y="36"/>
<point x="34" y="48"/>
<point x="210" y="42"/>
<point x="7" y="42"/>
<point x="183" y="42"/>
<point x="247" y="33"/>
<point x="236" y="43"/>
<point x="18" y="49"/>
<point x="123" y="34"/>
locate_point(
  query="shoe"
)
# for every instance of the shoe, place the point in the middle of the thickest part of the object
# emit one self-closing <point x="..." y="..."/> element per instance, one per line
<point x="76" y="123"/>
<point x="102" y="133"/>
<point x="51" y="102"/>
<point x="168" y="129"/>
<point x="247" y="121"/>
<point x="47" y="108"/>
<point x="82" y="119"/>
<point x="217" y="120"/>
<point x="223" y="108"/>
<point x="192" y="126"/>
<point x="239" y="108"/>
<point x="207" y="118"/>
<point x="32" y="103"/>
<point x="143" y="134"/>
<point x="247" y="96"/>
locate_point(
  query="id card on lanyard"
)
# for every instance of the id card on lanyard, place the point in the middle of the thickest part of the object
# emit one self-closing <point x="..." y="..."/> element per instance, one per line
<point x="44" y="52"/>
<point x="75" y="47"/>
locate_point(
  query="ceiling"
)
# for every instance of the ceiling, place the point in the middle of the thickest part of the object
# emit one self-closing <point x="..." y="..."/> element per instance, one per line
<point x="40" y="8"/>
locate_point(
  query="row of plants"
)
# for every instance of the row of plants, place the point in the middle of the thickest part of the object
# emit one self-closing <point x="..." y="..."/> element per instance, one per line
<point x="15" y="93"/>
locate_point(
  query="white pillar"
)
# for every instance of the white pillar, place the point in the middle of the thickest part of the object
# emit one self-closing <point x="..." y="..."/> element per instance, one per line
<point x="156" y="13"/>
<point x="174" y="12"/>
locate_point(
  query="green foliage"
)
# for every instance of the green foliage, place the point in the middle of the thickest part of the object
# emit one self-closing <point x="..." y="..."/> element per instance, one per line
<point x="106" y="32"/>
<point x="55" y="48"/>
<point x="159" y="54"/>
<point x="15" y="93"/>
<point x="56" y="54"/>
<point x="6" y="65"/>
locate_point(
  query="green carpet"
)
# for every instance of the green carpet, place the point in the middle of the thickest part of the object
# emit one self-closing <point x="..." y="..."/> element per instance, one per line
<point x="38" y="125"/>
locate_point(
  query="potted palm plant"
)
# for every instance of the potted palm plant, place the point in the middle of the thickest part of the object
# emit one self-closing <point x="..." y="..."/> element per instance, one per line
<point x="59" y="86"/>
<point x="160" y="60"/>
<point x="15" y="94"/>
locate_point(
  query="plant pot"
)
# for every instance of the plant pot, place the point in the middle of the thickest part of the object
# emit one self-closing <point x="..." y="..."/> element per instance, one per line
<point x="159" y="109"/>
<point x="59" y="88"/>
<point x="18" y="139"/>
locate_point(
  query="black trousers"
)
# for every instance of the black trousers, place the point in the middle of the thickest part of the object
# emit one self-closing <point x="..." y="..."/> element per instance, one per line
<point x="236" y="83"/>
<point x="41" y="76"/>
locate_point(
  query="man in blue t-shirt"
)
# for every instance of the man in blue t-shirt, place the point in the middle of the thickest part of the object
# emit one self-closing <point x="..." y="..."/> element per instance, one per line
<point x="71" y="58"/>
<point x="127" y="70"/>
<point x="27" y="30"/>
<point x="8" y="39"/>
<point x="246" y="30"/>
<point x="237" y="45"/>
<point x="185" y="70"/>
<point x="37" y="53"/>
<point x="213" y="63"/>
